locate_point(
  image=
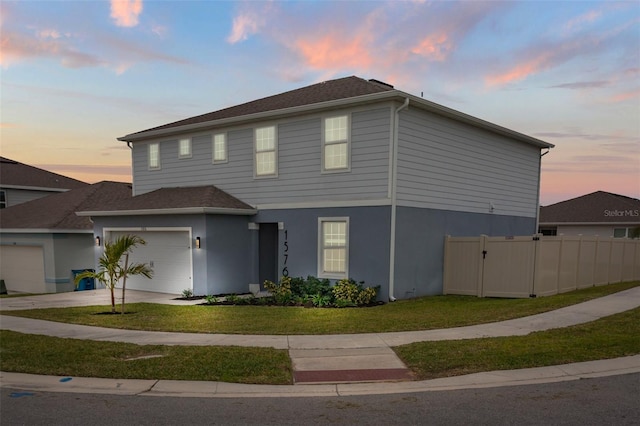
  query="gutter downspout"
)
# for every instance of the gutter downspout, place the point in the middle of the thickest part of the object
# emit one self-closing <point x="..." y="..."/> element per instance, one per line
<point x="539" y="183"/>
<point x="394" y="184"/>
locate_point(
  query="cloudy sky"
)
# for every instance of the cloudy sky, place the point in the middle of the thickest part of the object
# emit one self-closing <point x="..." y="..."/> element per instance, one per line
<point x="75" y="75"/>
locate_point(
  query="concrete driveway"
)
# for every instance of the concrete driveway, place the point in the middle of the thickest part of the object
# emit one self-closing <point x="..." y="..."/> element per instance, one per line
<point x="89" y="298"/>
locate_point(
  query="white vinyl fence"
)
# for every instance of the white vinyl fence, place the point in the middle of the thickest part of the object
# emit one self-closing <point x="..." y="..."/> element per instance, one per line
<point x="536" y="265"/>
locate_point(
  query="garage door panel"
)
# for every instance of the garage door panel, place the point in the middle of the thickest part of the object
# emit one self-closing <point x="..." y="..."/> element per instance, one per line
<point x="169" y="255"/>
<point x="22" y="269"/>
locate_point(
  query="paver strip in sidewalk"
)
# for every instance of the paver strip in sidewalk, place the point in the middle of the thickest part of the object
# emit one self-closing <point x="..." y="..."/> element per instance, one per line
<point x="347" y="365"/>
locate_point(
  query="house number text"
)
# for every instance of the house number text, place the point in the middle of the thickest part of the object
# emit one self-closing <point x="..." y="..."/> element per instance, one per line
<point x="285" y="270"/>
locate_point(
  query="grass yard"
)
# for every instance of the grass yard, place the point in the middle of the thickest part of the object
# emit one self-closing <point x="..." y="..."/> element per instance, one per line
<point x="27" y="353"/>
<point x="406" y="315"/>
<point x="610" y="337"/>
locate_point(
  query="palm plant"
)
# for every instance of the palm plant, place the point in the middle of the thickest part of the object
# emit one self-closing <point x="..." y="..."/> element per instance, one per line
<point x="112" y="270"/>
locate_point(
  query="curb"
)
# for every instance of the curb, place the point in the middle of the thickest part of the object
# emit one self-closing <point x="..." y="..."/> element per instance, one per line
<point x="178" y="388"/>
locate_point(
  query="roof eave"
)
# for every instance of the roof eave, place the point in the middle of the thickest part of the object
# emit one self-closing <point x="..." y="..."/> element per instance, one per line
<point x="33" y="188"/>
<point x="172" y="211"/>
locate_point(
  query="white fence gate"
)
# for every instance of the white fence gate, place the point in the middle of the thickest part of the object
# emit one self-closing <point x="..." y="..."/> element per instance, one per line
<point x="536" y="265"/>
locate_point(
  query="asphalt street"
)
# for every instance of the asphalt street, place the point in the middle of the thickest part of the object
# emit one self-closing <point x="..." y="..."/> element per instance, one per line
<point x="612" y="400"/>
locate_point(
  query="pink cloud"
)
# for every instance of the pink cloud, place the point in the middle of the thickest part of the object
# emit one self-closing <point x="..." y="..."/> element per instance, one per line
<point x="522" y="71"/>
<point x="125" y="12"/>
<point x="17" y="47"/>
<point x="334" y="51"/>
<point x="434" y="47"/>
<point x="621" y="97"/>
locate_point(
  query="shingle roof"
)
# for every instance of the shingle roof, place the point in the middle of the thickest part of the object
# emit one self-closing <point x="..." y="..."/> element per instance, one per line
<point x="341" y="88"/>
<point x="597" y="207"/>
<point x="336" y="93"/>
<point x="58" y="211"/>
<point x="14" y="173"/>
<point x="179" y="198"/>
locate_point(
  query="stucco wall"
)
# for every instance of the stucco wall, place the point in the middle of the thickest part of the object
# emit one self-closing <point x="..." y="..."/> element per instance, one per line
<point x="420" y="233"/>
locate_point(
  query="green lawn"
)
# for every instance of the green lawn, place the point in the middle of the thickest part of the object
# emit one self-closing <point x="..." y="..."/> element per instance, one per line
<point x="611" y="337"/>
<point x="27" y="353"/>
<point x="417" y="314"/>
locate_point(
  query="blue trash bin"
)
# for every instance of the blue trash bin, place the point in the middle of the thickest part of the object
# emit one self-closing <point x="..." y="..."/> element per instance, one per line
<point x="85" y="283"/>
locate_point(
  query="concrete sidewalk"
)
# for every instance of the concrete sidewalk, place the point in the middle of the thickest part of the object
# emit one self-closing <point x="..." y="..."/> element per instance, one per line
<point x="333" y="359"/>
<point x="564" y="317"/>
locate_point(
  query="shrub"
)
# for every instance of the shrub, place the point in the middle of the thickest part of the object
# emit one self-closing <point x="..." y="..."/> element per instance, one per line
<point x="367" y="295"/>
<point x="210" y="299"/>
<point x="187" y="293"/>
<point x="319" y="293"/>
<point x="281" y="291"/>
<point x="349" y="293"/>
<point x="233" y="299"/>
<point x="320" y="300"/>
<point x="347" y="290"/>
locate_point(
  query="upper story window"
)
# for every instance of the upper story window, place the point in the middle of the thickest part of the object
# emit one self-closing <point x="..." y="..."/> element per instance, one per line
<point x="154" y="156"/>
<point x="333" y="250"/>
<point x="266" y="152"/>
<point x="335" y="150"/>
<point x="220" y="148"/>
<point x="184" y="148"/>
<point x="3" y="199"/>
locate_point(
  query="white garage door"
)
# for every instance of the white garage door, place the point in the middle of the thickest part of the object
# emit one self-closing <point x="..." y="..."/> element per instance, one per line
<point x="22" y="269"/>
<point x="169" y="255"/>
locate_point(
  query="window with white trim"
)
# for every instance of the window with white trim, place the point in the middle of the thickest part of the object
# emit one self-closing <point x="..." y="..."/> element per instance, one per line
<point x="620" y="232"/>
<point x="154" y="156"/>
<point x="266" y="155"/>
<point x="335" y="149"/>
<point x="220" y="148"/>
<point x="333" y="247"/>
<point x="184" y="148"/>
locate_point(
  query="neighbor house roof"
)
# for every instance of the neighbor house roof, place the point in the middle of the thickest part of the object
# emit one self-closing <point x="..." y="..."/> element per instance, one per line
<point x="181" y="200"/>
<point x="14" y="174"/>
<point x="336" y="93"/>
<point x="57" y="212"/>
<point x="596" y="208"/>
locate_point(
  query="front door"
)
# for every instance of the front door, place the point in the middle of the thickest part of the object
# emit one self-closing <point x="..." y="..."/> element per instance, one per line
<point x="268" y="252"/>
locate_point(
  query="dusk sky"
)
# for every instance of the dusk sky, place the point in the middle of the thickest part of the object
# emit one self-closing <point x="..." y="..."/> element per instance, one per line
<point x="75" y="75"/>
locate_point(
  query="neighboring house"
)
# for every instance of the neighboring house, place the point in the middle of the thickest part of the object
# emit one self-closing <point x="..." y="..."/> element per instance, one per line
<point x="43" y="240"/>
<point x="345" y="178"/>
<point x="20" y="183"/>
<point x="600" y="213"/>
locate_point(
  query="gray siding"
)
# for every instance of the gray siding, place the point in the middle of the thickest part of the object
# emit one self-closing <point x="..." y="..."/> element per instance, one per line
<point x="299" y="163"/>
<point x="443" y="164"/>
<point x="19" y="196"/>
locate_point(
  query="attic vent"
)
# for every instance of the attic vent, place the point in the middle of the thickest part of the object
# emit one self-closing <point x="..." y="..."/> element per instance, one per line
<point x="373" y="80"/>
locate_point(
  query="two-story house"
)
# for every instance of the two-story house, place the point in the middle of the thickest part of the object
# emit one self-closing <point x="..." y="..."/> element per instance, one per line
<point x="21" y="182"/>
<point x="344" y="178"/>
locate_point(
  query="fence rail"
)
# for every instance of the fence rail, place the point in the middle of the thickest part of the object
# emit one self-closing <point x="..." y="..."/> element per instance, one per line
<point x="536" y="265"/>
